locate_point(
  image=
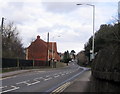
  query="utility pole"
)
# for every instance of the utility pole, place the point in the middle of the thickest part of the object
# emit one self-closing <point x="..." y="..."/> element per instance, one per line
<point x="48" y="45"/>
<point x="52" y="52"/>
<point x="47" y="58"/>
<point x="2" y="24"/>
<point x="119" y="18"/>
<point x="119" y="12"/>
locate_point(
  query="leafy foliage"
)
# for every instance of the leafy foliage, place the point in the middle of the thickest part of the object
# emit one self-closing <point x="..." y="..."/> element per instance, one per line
<point x="72" y="51"/>
<point x="66" y="57"/>
<point x="105" y="36"/>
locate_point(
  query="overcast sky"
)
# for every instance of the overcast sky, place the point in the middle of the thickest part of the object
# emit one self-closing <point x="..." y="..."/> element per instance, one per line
<point x="60" y="18"/>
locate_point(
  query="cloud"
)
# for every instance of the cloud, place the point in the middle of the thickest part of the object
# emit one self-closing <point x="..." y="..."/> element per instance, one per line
<point x="71" y="22"/>
<point x="59" y="7"/>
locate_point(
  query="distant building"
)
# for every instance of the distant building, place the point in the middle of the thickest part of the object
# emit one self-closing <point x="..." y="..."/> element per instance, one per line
<point x="72" y="56"/>
<point x="41" y="50"/>
<point x="61" y="56"/>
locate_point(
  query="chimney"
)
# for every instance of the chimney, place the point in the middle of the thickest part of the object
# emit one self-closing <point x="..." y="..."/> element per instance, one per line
<point x="38" y="37"/>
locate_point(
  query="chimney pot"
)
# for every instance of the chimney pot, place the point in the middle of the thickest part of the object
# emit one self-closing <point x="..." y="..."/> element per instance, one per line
<point x="38" y="37"/>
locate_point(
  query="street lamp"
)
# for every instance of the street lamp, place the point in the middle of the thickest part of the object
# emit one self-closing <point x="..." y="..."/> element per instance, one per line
<point x="93" y="45"/>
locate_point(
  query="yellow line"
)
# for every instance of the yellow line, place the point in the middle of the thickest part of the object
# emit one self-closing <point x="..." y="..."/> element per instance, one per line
<point x="61" y="88"/>
<point x="64" y="87"/>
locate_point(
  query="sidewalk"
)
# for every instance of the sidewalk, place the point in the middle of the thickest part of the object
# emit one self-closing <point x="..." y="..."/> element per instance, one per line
<point x="80" y="84"/>
<point x="86" y="83"/>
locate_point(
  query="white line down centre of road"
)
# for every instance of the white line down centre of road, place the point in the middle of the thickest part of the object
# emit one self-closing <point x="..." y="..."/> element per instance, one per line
<point x="56" y="76"/>
<point x="48" y="79"/>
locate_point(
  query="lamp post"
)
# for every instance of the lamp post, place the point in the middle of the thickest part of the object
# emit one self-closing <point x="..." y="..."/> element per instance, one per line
<point x="93" y="44"/>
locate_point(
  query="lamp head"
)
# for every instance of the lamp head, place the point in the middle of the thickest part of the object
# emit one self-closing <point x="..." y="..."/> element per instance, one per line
<point x="79" y="4"/>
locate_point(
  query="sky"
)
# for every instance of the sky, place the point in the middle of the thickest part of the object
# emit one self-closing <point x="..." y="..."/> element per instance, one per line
<point x="68" y="24"/>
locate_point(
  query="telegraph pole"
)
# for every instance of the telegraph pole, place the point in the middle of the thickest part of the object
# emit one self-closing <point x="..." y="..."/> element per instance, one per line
<point x="2" y="24"/>
<point x="48" y="45"/>
<point x="119" y="18"/>
<point x="47" y="59"/>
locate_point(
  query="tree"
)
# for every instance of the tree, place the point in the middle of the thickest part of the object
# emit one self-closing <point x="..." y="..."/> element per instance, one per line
<point x="11" y="43"/>
<point x="105" y="36"/>
<point x="72" y="51"/>
<point x="66" y="57"/>
<point x="72" y="54"/>
<point x="82" y="58"/>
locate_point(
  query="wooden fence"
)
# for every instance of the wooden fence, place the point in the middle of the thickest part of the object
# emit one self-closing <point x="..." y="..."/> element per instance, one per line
<point x="9" y="63"/>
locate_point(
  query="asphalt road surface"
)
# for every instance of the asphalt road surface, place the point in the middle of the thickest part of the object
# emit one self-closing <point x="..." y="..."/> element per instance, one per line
<point x="42" y="81"/>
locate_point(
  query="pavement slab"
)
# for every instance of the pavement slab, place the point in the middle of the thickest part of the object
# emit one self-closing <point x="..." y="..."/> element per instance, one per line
<point x="80" y="84"/>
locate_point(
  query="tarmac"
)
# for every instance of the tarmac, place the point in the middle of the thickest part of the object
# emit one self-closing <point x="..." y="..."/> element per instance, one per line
<point x="78" y="85"/>
<point x="83" y="83"/>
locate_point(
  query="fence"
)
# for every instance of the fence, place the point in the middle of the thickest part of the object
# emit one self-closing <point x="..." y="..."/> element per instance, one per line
<point x="8" y="63"/>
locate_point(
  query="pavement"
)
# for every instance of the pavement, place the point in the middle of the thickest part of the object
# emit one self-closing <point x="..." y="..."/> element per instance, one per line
<point x="80" y="84"/>
<point x="86" y="83"/>
<point x="12" y="73"/>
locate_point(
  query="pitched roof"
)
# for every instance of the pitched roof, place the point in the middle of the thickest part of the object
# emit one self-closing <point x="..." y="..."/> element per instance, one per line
<point x="39" y="43"/>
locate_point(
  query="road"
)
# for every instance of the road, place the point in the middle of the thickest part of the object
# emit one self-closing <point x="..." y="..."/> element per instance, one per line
<point x="42" y="81"/>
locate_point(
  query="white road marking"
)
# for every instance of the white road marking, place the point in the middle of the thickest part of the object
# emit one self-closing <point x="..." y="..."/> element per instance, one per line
<point x="47" y="75"/>
<point x="29" y="84"/>
<point x="67" y="73"/>
<point x="63" y="74"/>
<point x="3" y="87"/>
<point x="38" y="78"/>
<point x="56" y="76"/>
<point x="36" y="81"/>
<point x="23" y="82"/>
<point x="14" y="88"/>
<point x="48" y="79"/>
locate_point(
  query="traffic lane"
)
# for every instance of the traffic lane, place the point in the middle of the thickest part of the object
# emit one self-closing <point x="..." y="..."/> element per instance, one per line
<point x="26" y="83"/>
<point x="24" y="88"/>
<point x="34" y="80"/>
<point x="32" y="75"/>
<point x="49" y="83"/>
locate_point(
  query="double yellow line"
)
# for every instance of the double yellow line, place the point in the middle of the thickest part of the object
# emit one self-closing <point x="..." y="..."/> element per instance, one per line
<point x="61" y="88"/>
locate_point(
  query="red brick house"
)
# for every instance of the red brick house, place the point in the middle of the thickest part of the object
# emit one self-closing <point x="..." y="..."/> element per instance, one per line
<point x="41" y="50"/>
